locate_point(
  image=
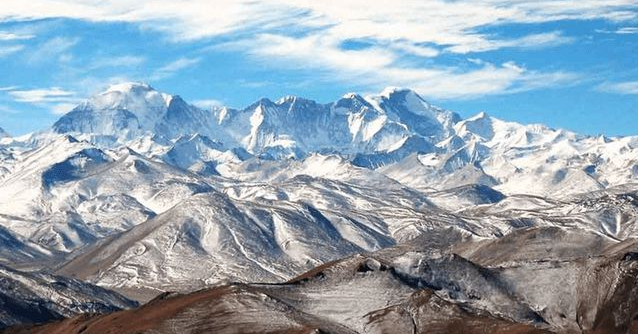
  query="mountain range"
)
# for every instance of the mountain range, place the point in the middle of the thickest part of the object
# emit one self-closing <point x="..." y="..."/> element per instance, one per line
<point x="141" y="192"/>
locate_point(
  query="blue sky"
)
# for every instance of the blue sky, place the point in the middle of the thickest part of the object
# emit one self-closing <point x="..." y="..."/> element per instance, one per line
<point x="563" y="63"/>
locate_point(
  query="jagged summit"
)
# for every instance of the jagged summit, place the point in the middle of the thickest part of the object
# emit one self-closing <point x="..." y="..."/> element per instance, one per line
<point x="4" y="134"/>
<point x="480" y="115"/>
<point x="371" y="131"/>
<point x="292" y="126"/>
<point x="129" y="110"/>
<point x="406" y="97"/>
<point x="287" y="99"/>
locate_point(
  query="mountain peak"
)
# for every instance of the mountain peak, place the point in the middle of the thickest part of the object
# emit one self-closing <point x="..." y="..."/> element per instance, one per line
<point x="287" y="99"/>
<point x="130" y="109"/>
<point x="4" y="134"/>
<point x="480" y="125"/>
<point x="127" y="87"/>
<point x="133" y="96"/>
<point x="405" y="97"/>
<point x="350" y="96"/>
<point x="478" y="117"/>
<point x="351" y="101"/>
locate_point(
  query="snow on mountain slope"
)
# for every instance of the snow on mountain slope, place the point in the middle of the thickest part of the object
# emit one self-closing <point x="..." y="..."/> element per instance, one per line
<point x="439" y="171"/>
<point x="129" y="110"/>
<point x="289" y="127"/>
<point x="293" y="126"/>
<point x="4" y="134"/>
<point x="269" y="232"/>
<point x="143" y="190"/>
<point x="332" y="167"/>
<point x="16" y="250"/>
<point x="263" y="232"/>
<point x="515" y="158"/>
<point x="407" y="106"/>
<point x="201" y="155"/>
<point x="373" y="132"/>
<point x="445" y="281"/>
<point x="464" y="197"/>
<point x="210" y="238"/>
<point x="613" y="213"/>
<point x="68" y="193"/>
<point x="37" y="297"/>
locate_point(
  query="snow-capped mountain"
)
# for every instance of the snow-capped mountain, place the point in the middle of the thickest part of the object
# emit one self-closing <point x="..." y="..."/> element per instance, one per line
<point x="410" y="140"/>
<point x="515" y="158"/>
<point x="397" y="120"/>
<point x="294" y="126"/>
<point x="138" y="190"/>
<point x="68" y="193"/>
<point x="4" y="134"/>
<point x="127" y="111"/>
<point x="28" y="298"/>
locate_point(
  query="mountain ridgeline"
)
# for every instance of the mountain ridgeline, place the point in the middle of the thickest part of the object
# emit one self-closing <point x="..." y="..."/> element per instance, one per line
<point x="370" y="214"/>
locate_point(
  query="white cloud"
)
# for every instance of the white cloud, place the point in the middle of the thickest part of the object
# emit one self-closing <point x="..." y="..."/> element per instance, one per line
<point x="52" y="49"/>
<point x="56" y="99"/>
<point x="440" y="22"/>
<point x="619" y="31"/>
<point x="9" y="50"/>
<point x="62" y="108"/>
<point x="5" y="109"/>
<point x="8" y="36"/>
<point x="117" y="61"/>
<point x="546" y="39"/>
<point x="414" y="49"/>
<point x="627" y="87"/>
<point x="377" y="68"/>
<point x="316" y="52"/>
<point x="627" y="31"/>
<point x="208" y="104"/>
<point x="173" y="67"/>
<point x="53" y="94"/>
<point x="301" y="34"/>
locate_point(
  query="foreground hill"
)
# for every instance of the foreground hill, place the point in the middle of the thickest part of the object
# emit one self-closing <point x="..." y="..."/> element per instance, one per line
<point x="37" y="297"/>
<point x="535" y="280"/>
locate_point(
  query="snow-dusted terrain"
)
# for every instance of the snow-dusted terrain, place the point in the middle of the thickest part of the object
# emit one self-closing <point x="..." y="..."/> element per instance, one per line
<point x="538" y="280"/>
<point x="138" y="190"/>
<point x="36" y="298"/>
